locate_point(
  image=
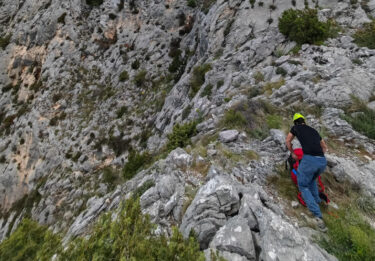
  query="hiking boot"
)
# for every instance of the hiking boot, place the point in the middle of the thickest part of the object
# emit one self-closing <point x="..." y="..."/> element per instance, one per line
<point x="320" y="224"/>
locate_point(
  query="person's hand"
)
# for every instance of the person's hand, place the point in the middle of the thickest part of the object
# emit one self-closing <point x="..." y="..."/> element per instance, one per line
<point x="294" y="156"/>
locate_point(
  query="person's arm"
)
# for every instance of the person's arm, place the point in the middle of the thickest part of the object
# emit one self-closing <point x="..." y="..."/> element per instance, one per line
<point x="289" y="145"/>
<point x="323" y="145"/>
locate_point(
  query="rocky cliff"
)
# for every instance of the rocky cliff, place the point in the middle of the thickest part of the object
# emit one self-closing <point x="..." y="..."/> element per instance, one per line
<point x="87" y="84"/>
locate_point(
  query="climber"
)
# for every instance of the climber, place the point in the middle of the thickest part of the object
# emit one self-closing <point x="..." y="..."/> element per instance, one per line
<point x="311" y="166"/>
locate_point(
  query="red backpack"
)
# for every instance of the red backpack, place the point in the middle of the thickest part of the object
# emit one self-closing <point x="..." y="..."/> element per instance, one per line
<point x="293" y="166"/>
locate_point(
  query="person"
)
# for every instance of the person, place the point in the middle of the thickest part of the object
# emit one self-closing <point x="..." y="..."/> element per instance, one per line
<point x="311" y="166"/>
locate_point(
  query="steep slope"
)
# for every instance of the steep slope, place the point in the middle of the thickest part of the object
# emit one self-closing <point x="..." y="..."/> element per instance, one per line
<point x="86" y="87"/>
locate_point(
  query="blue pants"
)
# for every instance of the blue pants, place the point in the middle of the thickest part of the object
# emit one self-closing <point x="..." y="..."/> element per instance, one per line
<point x="308" y="171"/>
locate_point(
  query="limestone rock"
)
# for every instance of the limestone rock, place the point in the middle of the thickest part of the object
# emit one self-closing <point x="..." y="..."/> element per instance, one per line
<point x="228" y="136"/>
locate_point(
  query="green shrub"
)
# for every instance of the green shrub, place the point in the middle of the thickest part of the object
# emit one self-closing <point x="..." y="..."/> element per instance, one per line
<point x="365" y="37"/>
<point x="124" y="76"/>
<point x="207" y="91"/>
<point x="111" y="177"/>
<point x="258" y="77"/>
<point x="140" y="79"/>
<point x="120" y="112"/>
<point x="186" y="112"/>
<point x="274" y="121"/>
<point x="192" y="3"/>
<point x="94" y="2"/>
<point x="180" y="137"/>
<point x="136" y="161"/>
<point x="234" y="119"/>
<point x="270" y="86"/>
<point x="303" y="26"/>
<point x="131" y="236"/>
<point x="363" y="122"/>
<point x="198" y="77"/>
<point x="30" y="242"/>
<point x="252" y="3"/>
<point x="142" y="189"/>
<point x="135" y="65"/>
<point x="281" y="71"/>
<point x="350" y="237"/>
<point x="4" y="41"/>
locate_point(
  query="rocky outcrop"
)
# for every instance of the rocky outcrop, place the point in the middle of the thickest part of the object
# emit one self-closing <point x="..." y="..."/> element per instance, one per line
<point x="83" y="86"/>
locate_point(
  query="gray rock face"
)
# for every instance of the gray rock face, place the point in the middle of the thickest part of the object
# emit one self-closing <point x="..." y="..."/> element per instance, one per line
<point x="228" y="136"/>
<point x="211" y="207"/>
<point x="235" y="237"/>
<point x="346" y="169"/>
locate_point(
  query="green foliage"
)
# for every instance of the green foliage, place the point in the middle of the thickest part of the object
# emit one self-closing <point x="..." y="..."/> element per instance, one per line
<point x="198" y="77"/>
<point x="142" y="189"/>
<point x="30" y="242"/>
<point x="365" y="37"/>
<point x="131" y="236"/>
<point x="252" y="3"/>
<point x="234" y="119"/>
<point x="186" y="112"/>
<point x="363" y="121"/>
<point x="350" y="237"/>
<point x="111" y="177"/>
<point x="303" y="26"/>
<point x="136" y="161"/>
<point x="204" y="5"/>
<point x="281" y="71"/>
<point x="135" y="65"/>
<point x="124" y="76"/>
<point x="4" y="41"/>
<point x="140" y="79"/>
<point x="207" y="91"/>
<point x="274" y="121"/>
<point x="180" y="137"/>
<point x="94" y="2"/>
<point x="270" y="86"/>
<point x="192" y="3"/>
<point x="258" y="77"/>
<point x="120" y="112"/>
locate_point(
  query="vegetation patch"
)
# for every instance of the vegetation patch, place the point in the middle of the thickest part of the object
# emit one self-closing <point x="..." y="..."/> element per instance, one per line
<point x="350" y="237"/>
<point x="136" y="161"/>
<point x="271" y="86"/>
<point x="180" y="137"/>
<point x="234" y="119"/>
<point x="198" y="78"/>
<point x="303" y="26"/>
<point x="258" y="77"/>
<point x="361" y="118"/>
<point x="30" y="241"/>
<point x="365" y="37"/>
<point x="111" y="177"/>
<point x="140" y="79"/>
<point x="120" y="112"/>
<point x="94" y="2"/>
<point x="124" y="76"/>
<point x="130" y="236"/>
<point x="142" y="189"/>
<point x="207" y="91"/>
<point x="4" y="41"/>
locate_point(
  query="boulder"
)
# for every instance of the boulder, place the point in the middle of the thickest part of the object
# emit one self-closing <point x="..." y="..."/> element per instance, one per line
<point x="228" y="136"/>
